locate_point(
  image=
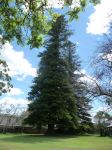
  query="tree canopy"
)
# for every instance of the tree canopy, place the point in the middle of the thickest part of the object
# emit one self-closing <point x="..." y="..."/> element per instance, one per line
<point x="30" y="20"/>
<point x="103" y="120"/>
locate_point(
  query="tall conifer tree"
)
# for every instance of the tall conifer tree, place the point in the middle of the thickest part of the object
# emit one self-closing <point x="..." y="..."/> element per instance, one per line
<point x="52" y="95"/>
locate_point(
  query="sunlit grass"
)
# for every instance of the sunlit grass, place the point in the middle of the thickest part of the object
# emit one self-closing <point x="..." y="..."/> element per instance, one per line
<point x="40" y="142"/>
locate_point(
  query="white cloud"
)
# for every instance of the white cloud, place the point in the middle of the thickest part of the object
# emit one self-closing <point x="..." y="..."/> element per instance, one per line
<point x="104" y="108"/>
<point x="94" y="111"/>
<point x="19" y="66"/>
<point x="15" y="91"/>
<point x="77" y="43"/>
<point x="14" y="101"/>
<point x="75" y="3"/>
<point x="52" y="4"/>
<point x="100" y="20"/>
<point x="86" y="78"/>
<point x="25" y="8"/>
<point x="55" y="3"/>
<point x="11" y="105"/>
<point x="83" y="71"/>
<point x="60" y="4"/>
<point x="108" y="57"/>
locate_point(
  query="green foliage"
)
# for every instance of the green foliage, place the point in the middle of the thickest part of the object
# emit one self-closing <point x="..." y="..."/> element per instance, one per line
<point x="102" y="120"/>
<point x="30" y="20"/>
<point x="52" y="97"/>
<point x="80" y="89"/>
<point x="74" y="13"/>
<point x="5" y="79"/>
<point x="95" y="2"/>
<point x="57" y="81"/>
<point x="24" y="21"/>
<point x="83" y="3"/>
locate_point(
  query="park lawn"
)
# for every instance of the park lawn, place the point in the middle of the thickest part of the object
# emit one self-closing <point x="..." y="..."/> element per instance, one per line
<point x="40" y="142"/>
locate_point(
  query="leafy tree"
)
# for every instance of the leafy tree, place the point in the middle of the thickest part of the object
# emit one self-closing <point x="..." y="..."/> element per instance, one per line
<point x="102" y="119"/>
<point x="29" y="19"/>
<point x="5" y="80"/>
<point x="102" y="64"/>
<point x="51" y="95"/>
<point x="80" y="89"/>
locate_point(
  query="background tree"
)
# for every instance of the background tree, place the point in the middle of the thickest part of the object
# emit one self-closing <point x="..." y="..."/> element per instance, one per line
<point x="11" y="116"/>
<point x="80" y="89"/>
<point x="5" y="80"/>
<point x="103" y="69"/>
<point x="52" y="97"/>
<point x="102" y="119"/>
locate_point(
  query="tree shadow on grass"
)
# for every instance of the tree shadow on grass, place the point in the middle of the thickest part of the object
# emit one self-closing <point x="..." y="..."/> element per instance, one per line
<point x="37" y="138"/>
<point x="33" y="138"/>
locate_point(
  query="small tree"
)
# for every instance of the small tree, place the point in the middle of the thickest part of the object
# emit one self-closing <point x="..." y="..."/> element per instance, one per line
<point x="102" y="119"/>
<point x="5" y="79"/>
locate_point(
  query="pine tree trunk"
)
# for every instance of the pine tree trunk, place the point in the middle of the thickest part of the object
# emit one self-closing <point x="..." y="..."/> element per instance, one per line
<point x="50" y="129"/>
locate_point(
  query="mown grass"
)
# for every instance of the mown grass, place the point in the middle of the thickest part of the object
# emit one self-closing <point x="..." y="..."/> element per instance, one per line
<point x="41" y="142"/>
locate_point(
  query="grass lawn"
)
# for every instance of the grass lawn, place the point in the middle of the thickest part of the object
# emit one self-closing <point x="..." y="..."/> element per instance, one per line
<point x="40" y="142"/>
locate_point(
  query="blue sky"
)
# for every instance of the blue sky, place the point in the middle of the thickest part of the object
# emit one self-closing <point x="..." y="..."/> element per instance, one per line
<point x="23" y="62"/>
